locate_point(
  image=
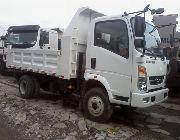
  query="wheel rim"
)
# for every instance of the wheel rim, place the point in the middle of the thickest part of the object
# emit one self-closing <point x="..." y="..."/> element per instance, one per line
<point x="23" y="86"/>
<point x="95" y="106"/>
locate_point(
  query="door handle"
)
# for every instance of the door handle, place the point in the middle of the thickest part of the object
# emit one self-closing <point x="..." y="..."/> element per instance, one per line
<point x="93" y="63"/>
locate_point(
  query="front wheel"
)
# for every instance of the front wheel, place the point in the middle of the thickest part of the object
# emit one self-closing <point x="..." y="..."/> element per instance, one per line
<point x="96" y="105"/>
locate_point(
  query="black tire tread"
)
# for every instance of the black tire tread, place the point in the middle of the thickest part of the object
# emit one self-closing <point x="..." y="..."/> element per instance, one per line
<point x="30" y="87"/>
<point x="108" y="109"/>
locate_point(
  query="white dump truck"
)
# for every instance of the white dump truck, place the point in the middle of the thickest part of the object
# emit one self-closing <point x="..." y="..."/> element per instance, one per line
<point x="106" y="60"/>
<point x="2" y="55"/>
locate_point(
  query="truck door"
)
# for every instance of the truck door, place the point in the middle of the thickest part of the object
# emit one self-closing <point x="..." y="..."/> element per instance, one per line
<point x="110" y="56"/>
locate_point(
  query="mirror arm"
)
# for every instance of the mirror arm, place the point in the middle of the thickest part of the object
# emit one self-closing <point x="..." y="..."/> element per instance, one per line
<point x="143" y="48"/>
<point x="139" y="12"/>
<point x="144" y="35"/>
<point x="153" y="11"/>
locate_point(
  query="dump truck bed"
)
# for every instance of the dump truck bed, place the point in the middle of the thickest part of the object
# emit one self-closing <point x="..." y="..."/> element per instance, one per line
<point x="61" y="63"/>
<point x="38" y="61"/>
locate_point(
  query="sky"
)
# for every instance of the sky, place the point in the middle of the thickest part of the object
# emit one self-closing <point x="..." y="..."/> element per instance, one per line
<point x="58" y="13"/>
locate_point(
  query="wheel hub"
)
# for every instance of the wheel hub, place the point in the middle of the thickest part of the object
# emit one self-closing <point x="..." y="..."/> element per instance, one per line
<point x="95" y="106"/>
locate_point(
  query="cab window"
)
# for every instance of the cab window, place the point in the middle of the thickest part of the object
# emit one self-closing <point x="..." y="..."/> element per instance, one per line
<point x="44" y="36"/>
<point x="113" y="36"/>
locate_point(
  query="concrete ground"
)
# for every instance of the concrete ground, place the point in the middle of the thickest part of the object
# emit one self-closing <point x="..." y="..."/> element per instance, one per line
<point x="50" y="117"/>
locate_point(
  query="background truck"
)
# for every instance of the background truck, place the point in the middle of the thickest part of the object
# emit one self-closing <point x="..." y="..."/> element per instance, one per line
<point x="102" y="59"/>
<point x="2" y="55"/>
<point x="170" y="39"/>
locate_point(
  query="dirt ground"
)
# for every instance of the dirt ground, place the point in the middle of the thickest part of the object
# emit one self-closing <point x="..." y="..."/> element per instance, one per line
<point x="51" y="117"/>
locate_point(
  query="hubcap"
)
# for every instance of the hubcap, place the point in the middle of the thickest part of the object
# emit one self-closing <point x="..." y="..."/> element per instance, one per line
<point x="95" y="106"/>
<point x="23" y="87"/>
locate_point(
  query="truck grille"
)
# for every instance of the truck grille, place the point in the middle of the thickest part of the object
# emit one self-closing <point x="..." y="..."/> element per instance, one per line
<point x="155" y="80"/>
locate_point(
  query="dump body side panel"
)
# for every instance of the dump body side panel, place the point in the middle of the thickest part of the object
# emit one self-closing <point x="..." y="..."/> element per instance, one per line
<point x="38" y="61"/>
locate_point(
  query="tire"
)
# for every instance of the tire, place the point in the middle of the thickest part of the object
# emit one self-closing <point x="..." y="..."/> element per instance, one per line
<point x="17" y="77"/>
<point x="2" y="67"/>
<point x="26" y="87"/>
<point x="96" y="105"/>
<point x="36" y="87"/>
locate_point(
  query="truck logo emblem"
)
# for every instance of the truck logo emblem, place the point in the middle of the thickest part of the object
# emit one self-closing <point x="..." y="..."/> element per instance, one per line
<point x="153" y="62"/>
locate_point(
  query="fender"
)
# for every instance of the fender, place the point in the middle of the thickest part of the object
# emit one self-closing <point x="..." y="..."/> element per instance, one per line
<point x="101" y="79"/>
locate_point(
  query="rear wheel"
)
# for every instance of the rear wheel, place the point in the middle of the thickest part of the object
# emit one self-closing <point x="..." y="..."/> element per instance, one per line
<point x="2" y="67"/>
<point x="26" y="87"/>
<point x="96" y="105"/>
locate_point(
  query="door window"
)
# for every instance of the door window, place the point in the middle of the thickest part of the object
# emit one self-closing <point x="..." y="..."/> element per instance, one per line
<point x="113" y="36"/>
<point x="44" y="36"/>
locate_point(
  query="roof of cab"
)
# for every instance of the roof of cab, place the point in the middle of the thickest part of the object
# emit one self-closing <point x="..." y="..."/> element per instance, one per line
<point x="24" y="28"/>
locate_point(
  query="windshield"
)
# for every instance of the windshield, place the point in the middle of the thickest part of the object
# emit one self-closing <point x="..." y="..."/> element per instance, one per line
<point x="29" y="37"/>
<point x="153" y="40"/>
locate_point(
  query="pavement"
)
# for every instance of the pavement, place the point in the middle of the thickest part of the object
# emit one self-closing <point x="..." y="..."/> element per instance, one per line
<point x="54" y="118"/>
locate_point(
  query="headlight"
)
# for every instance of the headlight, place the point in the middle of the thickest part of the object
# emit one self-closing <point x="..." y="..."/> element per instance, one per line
<point x="142" y="78"/>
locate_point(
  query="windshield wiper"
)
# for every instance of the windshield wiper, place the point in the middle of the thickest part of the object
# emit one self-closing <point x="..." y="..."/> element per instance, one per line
<point x="150" y="52"/>
<point x="26" y="43"/>
<point x="154" y="29"/>
<point x="8" y="43"/>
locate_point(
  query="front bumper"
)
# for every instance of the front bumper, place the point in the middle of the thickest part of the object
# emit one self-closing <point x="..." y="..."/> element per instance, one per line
<point x="149" y="99"/>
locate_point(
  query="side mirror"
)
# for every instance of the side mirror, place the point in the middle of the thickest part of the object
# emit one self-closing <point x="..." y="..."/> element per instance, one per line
<point x="41" y="42"/>
<point x="139" y="43"/>
<point x="159" y="10"/>
<point x="3" y="38"/>
<point x="44" y="38"/>
<point x="139" y="26"/>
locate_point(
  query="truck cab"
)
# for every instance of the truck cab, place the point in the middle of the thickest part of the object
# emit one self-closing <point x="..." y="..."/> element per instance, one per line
<point x="2" y="54"/>
<point x="33" y="37"/>
<point x="129" y="76"/>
